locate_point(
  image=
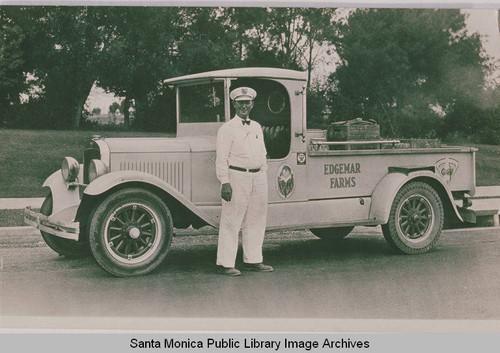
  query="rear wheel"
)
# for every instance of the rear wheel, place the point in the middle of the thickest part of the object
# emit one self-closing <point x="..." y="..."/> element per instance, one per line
<point x="415" y="220"/>
<point x="332" y="234"/>
<point x="66" y="247"/>
<point x="130" y="232"/>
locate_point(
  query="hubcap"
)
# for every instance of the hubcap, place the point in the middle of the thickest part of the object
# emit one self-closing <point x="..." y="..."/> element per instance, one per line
<point x="415" y="217"/>
<point x="132" y="232"/>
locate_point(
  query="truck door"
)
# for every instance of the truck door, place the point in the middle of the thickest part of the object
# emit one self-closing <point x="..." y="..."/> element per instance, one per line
<point x="278" y="110"/>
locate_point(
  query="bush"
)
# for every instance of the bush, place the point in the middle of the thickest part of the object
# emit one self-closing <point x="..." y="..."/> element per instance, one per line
<point x="317" y="110"/>
<point x="31" y="115"/>
<point x="480" y="125"/>
<point x="489" y="131"/>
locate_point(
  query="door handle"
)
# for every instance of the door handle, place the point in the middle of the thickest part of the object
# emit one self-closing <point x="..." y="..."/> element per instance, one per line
<point x="298" y="134"/>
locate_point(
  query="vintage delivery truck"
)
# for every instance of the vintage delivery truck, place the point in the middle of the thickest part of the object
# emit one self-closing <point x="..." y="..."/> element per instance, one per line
<point x="128" y="194"/>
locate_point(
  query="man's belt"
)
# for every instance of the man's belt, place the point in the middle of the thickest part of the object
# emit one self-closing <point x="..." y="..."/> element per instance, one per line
<point x="244" y="169"/>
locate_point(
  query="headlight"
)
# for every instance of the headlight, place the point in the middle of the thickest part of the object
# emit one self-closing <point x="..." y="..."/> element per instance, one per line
<point x="96" y="169"/>
<point x="69" y="169"/>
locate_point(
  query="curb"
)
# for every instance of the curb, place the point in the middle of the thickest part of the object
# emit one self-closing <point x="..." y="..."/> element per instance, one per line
<point x="20" y="203"/>
<point x="19" y="231"/>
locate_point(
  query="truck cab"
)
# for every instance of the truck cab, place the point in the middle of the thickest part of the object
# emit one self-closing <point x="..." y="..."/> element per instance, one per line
<point x="129" y="194"/>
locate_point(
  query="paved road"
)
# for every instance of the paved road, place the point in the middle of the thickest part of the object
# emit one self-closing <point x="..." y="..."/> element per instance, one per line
<point x="359" y="278"/>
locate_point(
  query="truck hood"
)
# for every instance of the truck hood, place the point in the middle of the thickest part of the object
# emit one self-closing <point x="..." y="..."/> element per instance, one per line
<point x="161" y="144"/>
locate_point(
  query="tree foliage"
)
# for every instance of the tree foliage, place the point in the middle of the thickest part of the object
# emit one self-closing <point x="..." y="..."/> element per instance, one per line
<point x="140" y="50"/>
<point x="407" y="69"/>
<point x="11" y="63"/>
<point x="417" y="72"/>
<point x="283" y="37"/>
<point x="61" y="48"/>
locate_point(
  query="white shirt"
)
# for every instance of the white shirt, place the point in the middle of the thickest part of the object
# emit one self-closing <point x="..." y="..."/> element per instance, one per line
<point x="239" y="145"/>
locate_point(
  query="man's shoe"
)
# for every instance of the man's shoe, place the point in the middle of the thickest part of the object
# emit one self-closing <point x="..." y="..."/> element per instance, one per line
<point x="260" y="267"/>
<point x="228" y="271"/>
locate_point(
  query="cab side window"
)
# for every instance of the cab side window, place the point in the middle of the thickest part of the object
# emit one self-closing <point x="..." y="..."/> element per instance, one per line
<point x="202" y="103"/>
<point x="272" y="111"/>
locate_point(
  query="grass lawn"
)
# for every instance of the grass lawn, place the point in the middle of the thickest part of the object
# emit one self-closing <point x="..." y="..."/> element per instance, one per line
<point x="28" y="157"/>
<point x="487" y="165"/>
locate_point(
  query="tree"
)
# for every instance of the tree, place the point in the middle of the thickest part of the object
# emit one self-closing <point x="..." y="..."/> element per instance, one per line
<point x="62" y="46"/>
<point x="12" y="81"/>
<point x="285" y="37"/>
<point x="291" y="38"/>
<point x="129" y="50"/>
<point x="139" y="54"/>
<point x="405" y="68"/>
<point x="208" y="41"/>
<point x="114" y="107"/>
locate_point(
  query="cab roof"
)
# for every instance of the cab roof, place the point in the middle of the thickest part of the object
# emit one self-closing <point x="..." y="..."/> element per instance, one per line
<point x="258" y="72"/>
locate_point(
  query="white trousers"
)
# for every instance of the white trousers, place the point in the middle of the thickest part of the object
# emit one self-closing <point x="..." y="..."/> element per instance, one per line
<point x="247" y="211"/>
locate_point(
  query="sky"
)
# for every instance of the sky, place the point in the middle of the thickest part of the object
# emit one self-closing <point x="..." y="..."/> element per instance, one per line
<point x="98" y="98"/>
<point x="483" y="21"/>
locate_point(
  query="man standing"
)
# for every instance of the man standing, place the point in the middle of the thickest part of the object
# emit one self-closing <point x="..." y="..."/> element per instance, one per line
<point x="241" y="168"/>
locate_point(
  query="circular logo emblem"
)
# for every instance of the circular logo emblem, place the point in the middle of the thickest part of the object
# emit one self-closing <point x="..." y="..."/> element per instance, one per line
<point x="447" y="167"/>
<point x="286" y="182"/>
<point x="301" y="158"/>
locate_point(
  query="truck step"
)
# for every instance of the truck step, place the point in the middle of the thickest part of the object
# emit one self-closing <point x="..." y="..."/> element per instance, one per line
<point x="484" y="212"/>
<point x="486" y="192"/>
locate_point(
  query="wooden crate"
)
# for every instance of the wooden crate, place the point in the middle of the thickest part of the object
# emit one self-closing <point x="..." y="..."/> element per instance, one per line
<point x="356" y="129"/>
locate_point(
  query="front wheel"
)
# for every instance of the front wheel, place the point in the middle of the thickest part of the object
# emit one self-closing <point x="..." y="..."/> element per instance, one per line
<point x="130" y="232"/>
<point x="332" y="234"/>
<point x="415" y="220"/>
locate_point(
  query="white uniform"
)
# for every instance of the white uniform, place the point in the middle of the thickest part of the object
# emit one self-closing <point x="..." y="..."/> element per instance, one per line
<point x="241" y="145"/>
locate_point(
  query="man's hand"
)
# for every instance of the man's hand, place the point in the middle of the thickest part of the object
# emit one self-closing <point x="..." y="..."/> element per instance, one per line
<point x="226" y="192"/>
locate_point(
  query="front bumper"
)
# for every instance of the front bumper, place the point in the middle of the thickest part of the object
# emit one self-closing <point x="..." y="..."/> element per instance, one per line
<point x="62" y="229"/>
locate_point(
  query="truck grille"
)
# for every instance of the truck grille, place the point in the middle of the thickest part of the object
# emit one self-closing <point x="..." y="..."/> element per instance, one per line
<point x="88" y="155"/>
<point x="172" y="172"/>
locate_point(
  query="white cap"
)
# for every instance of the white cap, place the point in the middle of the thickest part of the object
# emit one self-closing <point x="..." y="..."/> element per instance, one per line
<point x="243" y="93"/>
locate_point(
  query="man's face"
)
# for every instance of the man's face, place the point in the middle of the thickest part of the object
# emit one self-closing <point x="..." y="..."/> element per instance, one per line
<point x="243" y="108"/>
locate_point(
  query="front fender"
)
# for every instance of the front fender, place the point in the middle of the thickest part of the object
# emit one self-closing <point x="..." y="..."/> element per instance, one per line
<point x="386" y="190"/>
<point x="63" y="197"/>
<point x="113" y="179"/>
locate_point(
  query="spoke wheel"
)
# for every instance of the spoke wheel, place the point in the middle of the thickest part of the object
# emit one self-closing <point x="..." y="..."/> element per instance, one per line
<point x="66" y="247"/>
<point x="416" y="217"/>
<point x="332" y="234"/>
<point x="130" y="232"/>
<point x="415" y="220"/>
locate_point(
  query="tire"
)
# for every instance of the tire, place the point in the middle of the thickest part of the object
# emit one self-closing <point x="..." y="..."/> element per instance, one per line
<point x="66" y="247"/>
<point x="332" y="234"/>
<point x="415" y="220"/>
<point x="130" y="232"/>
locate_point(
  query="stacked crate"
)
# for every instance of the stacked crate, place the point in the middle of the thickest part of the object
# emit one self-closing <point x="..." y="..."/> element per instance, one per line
<point x="354" y="130"/>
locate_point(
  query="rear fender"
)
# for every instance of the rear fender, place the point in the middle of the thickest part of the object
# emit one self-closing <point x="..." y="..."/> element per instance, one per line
<point x="388" y="187"/>
<point x="64" y="196"/>
<point x="111" y="180"/>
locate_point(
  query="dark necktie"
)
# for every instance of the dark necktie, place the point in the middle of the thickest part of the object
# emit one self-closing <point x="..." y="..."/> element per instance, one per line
<point x="245" y="122"/>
